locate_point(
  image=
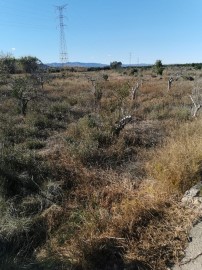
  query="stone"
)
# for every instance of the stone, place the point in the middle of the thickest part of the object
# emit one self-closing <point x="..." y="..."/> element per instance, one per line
<point x="193" y="195"/>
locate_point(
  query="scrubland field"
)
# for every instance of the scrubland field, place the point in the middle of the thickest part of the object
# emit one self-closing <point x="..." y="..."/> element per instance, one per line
<point x="91" y="178"/>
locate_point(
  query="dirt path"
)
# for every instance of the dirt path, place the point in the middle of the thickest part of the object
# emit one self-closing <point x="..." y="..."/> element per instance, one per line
<point x="193" y="252"/>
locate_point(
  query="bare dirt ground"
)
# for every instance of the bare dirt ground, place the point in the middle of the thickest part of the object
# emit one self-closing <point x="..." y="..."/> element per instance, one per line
<point x="193" y="252"/>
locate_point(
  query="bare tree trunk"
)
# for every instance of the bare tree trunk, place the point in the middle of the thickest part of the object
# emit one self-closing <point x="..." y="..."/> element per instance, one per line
<point x="170" y="83"/>
<point x="196" y="106"/>
<point x="134" y="91"/>
<point x="121" y="124"/>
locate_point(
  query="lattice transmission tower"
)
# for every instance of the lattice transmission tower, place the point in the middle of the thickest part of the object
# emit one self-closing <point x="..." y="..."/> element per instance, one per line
<point x="63" y="44"/>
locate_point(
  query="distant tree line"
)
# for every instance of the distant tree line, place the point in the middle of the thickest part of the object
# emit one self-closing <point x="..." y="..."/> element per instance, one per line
<point x="191" y="65"/>
<point x="11" y="65"/>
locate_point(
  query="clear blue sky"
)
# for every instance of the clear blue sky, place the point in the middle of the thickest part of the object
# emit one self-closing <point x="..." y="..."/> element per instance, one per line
<point x="104" y="30"/>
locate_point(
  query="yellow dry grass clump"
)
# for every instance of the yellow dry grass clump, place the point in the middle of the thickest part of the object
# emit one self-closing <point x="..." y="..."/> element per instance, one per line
<point x="177" y="164"/>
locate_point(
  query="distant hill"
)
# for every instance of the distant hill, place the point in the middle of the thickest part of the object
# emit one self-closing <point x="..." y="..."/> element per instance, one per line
<point x="79" y="64"/>
<point x="136" y="65"/>
<point x="76" y="64"/>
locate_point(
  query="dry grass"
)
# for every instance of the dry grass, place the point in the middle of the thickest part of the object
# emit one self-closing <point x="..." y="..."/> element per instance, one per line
<point x="177" y="164"/>
<point x="97" y="215"/>
<point x="121" y="223"/>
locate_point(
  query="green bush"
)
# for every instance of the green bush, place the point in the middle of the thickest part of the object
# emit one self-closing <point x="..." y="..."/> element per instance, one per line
<point x="158" y="67"/>
<point x="105" y="77"/>
<point x="59" y="111"/>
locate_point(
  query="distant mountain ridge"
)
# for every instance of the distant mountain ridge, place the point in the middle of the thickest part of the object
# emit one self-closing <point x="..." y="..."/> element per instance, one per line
<point x="88" y="65"/>
<point x="77" y="64"/>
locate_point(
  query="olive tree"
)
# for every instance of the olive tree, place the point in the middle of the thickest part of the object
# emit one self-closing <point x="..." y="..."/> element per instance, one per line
<point x="7" y="67"/>
<point x="24" y="90"/>
<point x="29" y="64"/>
<point x="115" y="65"/>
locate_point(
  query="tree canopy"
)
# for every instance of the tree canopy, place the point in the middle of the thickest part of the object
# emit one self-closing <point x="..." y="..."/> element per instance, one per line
<point x="29" y="63"/>
<point x="115" y="65"/>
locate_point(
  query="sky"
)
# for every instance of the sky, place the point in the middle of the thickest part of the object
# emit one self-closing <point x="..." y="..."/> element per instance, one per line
<point x="103" y="31"/>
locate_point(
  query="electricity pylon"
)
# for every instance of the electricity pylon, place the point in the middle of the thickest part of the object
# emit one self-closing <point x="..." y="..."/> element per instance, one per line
<point x="63" y="45"/>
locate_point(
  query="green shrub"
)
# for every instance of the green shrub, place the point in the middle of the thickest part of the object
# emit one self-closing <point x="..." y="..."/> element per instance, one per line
<point x="59" y="111"/>
<point x="105" y="77"/>
<point x="158" y="67"/>
<point x="133" y="71"/>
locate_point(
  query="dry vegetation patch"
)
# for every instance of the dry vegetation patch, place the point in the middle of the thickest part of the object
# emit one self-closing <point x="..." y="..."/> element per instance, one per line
<point x="98" y="198"/>
<point x="177" y="164"/>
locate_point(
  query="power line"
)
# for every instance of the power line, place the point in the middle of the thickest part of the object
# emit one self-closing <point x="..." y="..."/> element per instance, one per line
<point x="63" y="46"/>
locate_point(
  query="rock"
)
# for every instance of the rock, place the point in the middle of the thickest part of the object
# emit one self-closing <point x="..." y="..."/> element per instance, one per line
<point x="193" y="195"/>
